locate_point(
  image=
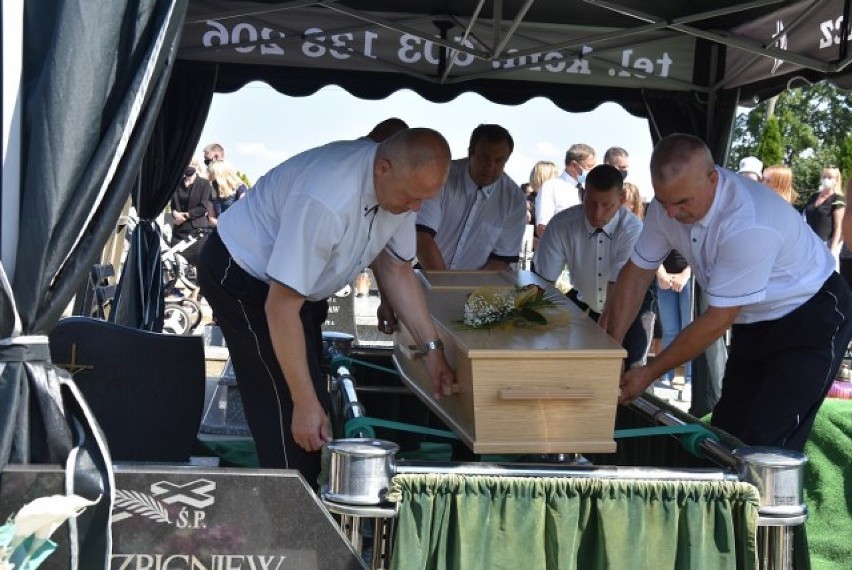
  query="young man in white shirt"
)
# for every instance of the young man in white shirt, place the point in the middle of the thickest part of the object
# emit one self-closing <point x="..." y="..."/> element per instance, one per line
<point x="595" y="240"/>
<point x="306" y="229"/>
<point x="766" y="276"/>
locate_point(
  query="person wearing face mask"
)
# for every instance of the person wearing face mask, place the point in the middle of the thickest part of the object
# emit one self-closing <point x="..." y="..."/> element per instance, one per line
<point x="824" y="210"/>
<point x="618" y="157"/>
<point x="565" y="191"/>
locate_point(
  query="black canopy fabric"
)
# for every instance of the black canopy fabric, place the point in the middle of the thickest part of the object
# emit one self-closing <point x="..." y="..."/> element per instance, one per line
<point x="139" y="299"/>
<point x="94" y="76"/>
<point x="704" y="55"/>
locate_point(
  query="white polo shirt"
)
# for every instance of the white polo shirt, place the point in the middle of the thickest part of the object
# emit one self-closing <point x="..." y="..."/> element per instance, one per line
<point x="313" y="222"/>
<point x="751" y="249"/>
<point x="471" y="224"/>
<point x="593" y="258"/>
<point x="555" y="195"/>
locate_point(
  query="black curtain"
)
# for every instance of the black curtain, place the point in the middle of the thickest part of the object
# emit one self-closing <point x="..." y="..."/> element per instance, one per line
<point x="94" y="74"/>
<point x="707" y="116"/>
<point x="139" y="297"/>
<point x="90" y="99"/>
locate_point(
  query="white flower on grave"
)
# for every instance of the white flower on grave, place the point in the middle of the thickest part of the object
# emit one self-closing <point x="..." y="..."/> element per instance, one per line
<point x="25" y="538"/>
<point x="41" y="517"/>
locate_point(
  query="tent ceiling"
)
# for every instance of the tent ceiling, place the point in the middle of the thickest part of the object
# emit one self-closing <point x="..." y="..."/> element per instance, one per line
<point x="374" y="47"/>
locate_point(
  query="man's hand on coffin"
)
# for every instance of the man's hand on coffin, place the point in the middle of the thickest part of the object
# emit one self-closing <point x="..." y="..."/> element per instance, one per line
<point x="387" y="318"/>
<point x="310" y="425"/>
<point x="443" y="378"/>
<point x="633" y="383"/>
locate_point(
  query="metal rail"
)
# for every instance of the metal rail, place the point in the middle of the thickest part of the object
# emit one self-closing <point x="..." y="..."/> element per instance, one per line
<point x="775" y="532"/>
<point x="539" y="470"/>
<point x="714" y="450"/>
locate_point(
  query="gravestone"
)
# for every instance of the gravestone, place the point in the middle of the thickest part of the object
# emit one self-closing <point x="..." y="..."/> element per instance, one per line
<point x="341" y="312"/>
<point x="149" y="407"/>
<point x="224" y="413"/>
<point x="200" y="518"/>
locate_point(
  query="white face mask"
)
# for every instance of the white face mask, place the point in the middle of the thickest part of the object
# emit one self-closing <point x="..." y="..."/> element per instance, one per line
<point x="828" y="183"/>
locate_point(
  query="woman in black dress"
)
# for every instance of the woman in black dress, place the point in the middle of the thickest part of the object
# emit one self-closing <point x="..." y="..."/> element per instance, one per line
<point x="824" y="211"/>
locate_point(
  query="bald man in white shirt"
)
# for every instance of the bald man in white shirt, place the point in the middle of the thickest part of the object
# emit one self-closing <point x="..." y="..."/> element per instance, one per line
<point x="305" y="230"/>
<point x="766" y="276"/>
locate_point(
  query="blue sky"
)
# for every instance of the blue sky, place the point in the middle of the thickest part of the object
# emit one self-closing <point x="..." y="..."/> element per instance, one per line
<point x="260" y="127"/>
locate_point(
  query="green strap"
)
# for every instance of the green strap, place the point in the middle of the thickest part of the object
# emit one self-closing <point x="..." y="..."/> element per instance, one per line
<point x="364" y="426"/>
<point x="349" y="360"/>
<point x="691" y="435"/>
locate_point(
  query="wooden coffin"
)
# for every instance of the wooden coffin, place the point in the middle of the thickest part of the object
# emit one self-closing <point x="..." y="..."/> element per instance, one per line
<point x="539" y="389"/>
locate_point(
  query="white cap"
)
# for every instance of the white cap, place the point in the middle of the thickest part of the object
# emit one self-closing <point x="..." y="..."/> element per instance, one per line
<point x="751" y="164"/>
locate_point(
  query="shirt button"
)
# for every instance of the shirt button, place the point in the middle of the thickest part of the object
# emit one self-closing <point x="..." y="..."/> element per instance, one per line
<point x="600" y="259"/>
<point x="599" y="274"/>
<point x="694" y="240"/>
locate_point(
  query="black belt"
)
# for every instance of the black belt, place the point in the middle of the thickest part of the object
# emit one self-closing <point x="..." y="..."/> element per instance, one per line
<point x="573" y="295"/>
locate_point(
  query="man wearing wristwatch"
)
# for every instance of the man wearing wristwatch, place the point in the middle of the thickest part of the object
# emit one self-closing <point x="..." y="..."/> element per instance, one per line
<point x="306" y="229"/>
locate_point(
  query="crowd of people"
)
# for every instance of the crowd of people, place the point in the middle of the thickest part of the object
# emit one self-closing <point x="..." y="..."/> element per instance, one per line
<point x="395" y="200"/>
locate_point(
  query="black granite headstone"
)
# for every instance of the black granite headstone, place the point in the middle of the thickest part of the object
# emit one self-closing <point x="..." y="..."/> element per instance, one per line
<point x="224" y="414"/>
<point x="145" y="389"/>
<point x="341" y="312"/>
<point x="186" y="518"/>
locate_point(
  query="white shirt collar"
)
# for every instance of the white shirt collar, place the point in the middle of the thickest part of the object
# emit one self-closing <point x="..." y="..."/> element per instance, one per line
<point x="714" y="206"/>
<point x="607" y="228"/>
<point x="569" y="179"/>
<point x="472" y="186"/>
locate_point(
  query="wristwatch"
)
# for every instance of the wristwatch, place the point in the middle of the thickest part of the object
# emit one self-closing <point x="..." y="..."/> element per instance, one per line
<point x="421" y="350"/>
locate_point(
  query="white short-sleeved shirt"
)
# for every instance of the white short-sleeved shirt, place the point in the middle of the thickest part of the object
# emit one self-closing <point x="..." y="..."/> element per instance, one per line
<point x="593" y="258"/>
<point x="313" y="222"/>
<point x="751" y="249"/>
<point x="473" y="224"/>
<point x="555" y="195"/>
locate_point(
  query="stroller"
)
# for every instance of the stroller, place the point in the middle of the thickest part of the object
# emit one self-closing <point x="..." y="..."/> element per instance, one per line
<point x="182" y="312"/>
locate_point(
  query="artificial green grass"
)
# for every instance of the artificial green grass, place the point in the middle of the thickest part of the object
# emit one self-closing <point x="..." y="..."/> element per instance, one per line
<point x="828" y="486"/>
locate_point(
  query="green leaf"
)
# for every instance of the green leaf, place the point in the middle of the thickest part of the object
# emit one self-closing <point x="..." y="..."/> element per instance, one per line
<point x="532" y="316"/>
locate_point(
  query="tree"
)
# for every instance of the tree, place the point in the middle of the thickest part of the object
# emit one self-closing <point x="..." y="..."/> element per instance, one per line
<point x="844" y="158"/>
<point x="814" y="122"/>
<point x="244" y="177"/>
<point x="770" y="149"/>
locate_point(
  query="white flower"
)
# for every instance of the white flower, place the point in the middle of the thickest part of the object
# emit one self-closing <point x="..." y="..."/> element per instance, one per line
<point x="44" y="515"/>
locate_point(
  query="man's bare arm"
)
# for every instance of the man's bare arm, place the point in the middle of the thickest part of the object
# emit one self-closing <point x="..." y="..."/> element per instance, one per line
<point x="402" y="289"/>
<point x="691" y="342"/>
<point x="623" y="304"/>
<point x="428" y="254"/>
<point x="310" y="422"/>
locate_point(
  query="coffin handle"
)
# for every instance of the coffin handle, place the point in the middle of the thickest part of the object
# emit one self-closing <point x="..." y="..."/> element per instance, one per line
<point x="544" y="393"/>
